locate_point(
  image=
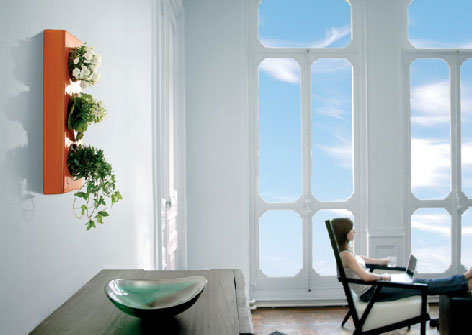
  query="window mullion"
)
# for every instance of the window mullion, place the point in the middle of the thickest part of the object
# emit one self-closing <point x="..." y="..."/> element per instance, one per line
<point x="455" y="162"/>
<point x="305" y="104"/>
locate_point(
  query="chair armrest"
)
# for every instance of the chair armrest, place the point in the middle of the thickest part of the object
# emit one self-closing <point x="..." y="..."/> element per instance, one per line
<point x="408" y="286"/>
<point x="373" y="267"/>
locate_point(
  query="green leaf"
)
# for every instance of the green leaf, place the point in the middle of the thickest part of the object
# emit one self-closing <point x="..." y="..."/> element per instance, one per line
<point x="81" y="195"/>
<point x="91" y="224"/>
<point x="89" y="163"/>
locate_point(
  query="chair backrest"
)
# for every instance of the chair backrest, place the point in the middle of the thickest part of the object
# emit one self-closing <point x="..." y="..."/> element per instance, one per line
<point x="341" y="273"/>
<point x="335" y="246"/>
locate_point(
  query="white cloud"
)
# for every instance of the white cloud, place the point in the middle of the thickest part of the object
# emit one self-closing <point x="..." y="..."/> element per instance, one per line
<point x="466" y="155"/>
<point x="342" y="152"/>
<point x="466" y="231"/>
<point x="330" y="65"/>
<point x="283" y="69"/>
<point x="434" y="259"/>
<point x="325" y="267"/>
<point x="430" y="103"/>
<point x="277" y="197"/>
<point x="466" y="101"/>
<point x="427" y="44"/>
<point x="332" y="35"/>
<point x="433" y="223"/>
<point x="336" y="113"/>
<point x="430" y="163"/>
<point x="288" y="70"/>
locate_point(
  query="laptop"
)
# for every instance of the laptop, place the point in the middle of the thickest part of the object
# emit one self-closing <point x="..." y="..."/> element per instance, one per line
<point x="409" y="275"/>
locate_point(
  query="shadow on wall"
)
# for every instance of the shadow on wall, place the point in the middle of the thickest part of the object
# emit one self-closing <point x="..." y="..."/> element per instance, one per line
<point x="21" y="166"/>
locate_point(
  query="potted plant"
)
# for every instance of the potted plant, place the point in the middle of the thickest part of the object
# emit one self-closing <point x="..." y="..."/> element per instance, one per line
<point x="99" y="192"/>
<point x="84" y="110"/>
<point x="83" y="65"/>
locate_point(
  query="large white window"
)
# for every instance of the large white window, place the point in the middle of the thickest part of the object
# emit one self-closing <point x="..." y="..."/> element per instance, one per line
<point x="440" y="147"/>
<point x="305" y="135"/>
<point x="358" y="109"/>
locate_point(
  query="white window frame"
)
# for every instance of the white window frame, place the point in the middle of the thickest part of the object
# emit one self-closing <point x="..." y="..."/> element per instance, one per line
<point x="456" y="202"/>
<point x="307" y="286"/>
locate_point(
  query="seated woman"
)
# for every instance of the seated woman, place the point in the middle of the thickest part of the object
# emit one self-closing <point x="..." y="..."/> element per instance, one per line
<point x="354" y="266"/>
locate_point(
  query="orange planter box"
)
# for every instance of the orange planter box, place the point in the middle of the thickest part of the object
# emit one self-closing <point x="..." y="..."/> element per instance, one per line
<point x="56" y="137"/>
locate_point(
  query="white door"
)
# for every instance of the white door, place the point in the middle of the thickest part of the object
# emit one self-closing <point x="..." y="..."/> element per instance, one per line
<point x="169" y="228"/>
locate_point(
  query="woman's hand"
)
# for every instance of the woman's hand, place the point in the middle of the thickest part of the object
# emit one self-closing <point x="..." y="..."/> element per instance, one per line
<point x="385" y="261"/>
<point x="385" y="277"/>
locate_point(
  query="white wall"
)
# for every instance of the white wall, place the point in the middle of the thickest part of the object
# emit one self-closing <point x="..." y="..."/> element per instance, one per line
<point x="46" y="254"/>
<point x="217" y="121"/>
<point x="217" y="158"/>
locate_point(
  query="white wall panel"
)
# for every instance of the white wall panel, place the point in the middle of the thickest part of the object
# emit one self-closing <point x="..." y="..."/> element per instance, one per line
<point x="217" y="158"/>
<point x="46" y="252"/>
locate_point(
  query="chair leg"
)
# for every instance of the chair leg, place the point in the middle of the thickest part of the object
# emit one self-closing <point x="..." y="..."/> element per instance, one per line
<point x="348" y="314"/>
<point x="434" y="323"/>
<point x="423" y="327"/>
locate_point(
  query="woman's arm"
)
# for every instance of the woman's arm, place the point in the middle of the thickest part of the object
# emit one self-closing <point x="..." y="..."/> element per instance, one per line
<point x="379" y="261"/>
<point x="350" y="262"/>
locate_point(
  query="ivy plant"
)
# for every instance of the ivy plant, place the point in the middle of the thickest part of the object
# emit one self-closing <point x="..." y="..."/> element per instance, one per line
<point x="98" y="193"/>
<point x="84" y="110"/>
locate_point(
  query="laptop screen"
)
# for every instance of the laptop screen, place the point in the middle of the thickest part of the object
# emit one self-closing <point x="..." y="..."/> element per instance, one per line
<point x="411" y="265"/>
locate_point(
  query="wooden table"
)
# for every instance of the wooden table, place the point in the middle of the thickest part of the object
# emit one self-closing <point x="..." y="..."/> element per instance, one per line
<point x="220" y="310"/>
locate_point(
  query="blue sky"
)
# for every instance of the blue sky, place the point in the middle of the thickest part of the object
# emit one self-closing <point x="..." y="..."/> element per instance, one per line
<point x="310" y="23"/>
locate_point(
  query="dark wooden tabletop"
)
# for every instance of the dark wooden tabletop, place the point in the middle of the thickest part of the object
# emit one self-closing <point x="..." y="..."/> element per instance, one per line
<point x="220" y="310"/>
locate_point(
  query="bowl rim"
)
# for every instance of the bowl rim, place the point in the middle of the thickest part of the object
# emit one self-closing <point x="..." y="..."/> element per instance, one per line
<point x="201" y="279"/>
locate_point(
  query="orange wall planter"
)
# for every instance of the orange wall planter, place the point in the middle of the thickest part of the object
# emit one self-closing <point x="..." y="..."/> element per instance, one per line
<point x="56" y="137"/>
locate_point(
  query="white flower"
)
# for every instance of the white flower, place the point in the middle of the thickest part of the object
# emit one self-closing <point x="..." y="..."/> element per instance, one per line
<point x="84" y="73"/>
<point x="88" y="56"/>
<point x="76" y="72"/>
<point x="83" y="84"/>
<point x="95" y="76"/>
<point x="76" y="60"/>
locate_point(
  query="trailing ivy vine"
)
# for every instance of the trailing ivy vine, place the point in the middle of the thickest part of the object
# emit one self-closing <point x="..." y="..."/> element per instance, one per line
<point x="98" y="193"/>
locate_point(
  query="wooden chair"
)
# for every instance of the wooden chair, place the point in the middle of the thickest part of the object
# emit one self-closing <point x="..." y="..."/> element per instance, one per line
<point x="376" y="317"/>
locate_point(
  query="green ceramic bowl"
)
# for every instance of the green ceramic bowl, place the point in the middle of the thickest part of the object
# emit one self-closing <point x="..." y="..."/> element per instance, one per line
<point x="155" y="298"/>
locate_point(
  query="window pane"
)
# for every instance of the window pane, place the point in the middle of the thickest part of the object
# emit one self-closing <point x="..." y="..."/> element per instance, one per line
<point x="430" y="134"/>
<point x="304" y="23"/>
<point x="440" y="24"/>
<point x="466" y="245"/>
<point x="431" y="239"/>
<point x="280" y="243"/>
<point x="323" y="258"/>
<point x="466" y="126"/>
<point x="332" y="172"/>
<point x="280" y="171"/>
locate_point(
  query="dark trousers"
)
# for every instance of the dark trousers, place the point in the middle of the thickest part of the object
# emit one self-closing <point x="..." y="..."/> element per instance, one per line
<point x="454" y="285"/>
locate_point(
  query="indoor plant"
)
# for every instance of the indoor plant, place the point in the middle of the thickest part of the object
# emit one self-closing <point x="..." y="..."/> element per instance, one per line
<point x="83" y="111"/>
<point x="83" y="65"/>
<point x="99" y="192"/>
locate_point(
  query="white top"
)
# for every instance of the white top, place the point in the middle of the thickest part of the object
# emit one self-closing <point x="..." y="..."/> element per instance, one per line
<point x="357" y="288"/>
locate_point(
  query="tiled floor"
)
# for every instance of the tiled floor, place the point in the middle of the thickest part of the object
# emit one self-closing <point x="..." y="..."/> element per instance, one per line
<point x="318" y="321"/>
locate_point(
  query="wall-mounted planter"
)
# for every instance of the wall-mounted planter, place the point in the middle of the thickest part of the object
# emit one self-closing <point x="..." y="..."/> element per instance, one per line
<point x="56" y="89"/>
